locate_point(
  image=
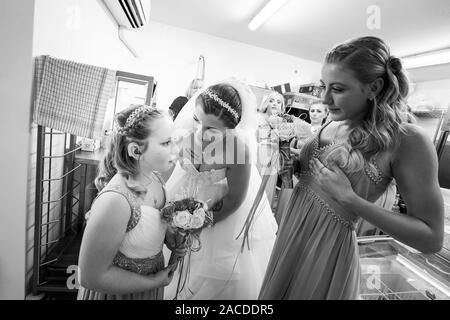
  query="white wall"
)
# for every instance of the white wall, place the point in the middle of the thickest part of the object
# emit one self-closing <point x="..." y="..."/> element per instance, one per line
<point x="168" y="53"/>
<point x="78" y="30"/>
<point x="171" y="55"/>
<point x="16" y="34"/>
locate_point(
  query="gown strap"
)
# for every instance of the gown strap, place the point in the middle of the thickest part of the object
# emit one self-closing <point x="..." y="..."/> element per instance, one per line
<point x="132" y="201"/>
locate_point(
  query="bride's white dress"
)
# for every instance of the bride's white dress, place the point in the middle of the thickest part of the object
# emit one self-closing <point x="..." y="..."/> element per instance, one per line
<point x="220" y="270"/>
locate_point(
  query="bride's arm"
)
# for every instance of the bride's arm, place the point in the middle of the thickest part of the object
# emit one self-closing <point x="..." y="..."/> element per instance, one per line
<point x="238" y="176"/>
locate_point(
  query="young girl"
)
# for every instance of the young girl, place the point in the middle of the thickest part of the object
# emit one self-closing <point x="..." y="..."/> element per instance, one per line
<point x="346" y="167"/>
<point x="217" y="168"/>
<point x="121" y="252"/>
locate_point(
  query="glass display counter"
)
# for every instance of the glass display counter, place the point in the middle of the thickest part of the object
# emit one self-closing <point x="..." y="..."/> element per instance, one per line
<point x="391" y="270"/>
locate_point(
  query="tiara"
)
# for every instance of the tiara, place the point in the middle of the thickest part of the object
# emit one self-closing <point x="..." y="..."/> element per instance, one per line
<point x="133" y="117"/>
<point x="225" y="105"/>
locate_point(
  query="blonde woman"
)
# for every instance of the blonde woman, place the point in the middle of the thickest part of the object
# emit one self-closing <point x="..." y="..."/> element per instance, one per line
<point x="268" y="142"/>
<point x="345" y="168"/>
<point x="180" y="101"/>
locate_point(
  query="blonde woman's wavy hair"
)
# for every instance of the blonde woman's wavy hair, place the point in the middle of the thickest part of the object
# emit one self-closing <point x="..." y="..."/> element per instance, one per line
<point x="369" y="58"/>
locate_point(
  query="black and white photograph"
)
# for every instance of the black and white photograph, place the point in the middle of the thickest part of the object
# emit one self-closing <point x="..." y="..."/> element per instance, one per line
<point x="222" y="156"/>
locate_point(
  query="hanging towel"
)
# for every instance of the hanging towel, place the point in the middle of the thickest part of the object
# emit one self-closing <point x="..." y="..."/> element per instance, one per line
<point x="72" y="97"/>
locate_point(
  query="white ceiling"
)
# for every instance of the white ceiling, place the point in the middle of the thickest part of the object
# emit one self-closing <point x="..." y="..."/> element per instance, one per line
<point x="308" y="28"/>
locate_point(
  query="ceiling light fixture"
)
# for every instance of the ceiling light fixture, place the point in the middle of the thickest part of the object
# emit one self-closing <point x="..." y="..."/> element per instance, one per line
<point x="430" y="58"/>
<point x="269" y="10"/>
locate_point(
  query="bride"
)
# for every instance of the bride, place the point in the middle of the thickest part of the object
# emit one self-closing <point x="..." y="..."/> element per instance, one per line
<point x="217" y="167"/>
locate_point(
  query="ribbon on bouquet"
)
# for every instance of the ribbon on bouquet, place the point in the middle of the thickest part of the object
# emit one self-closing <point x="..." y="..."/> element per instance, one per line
<point x="286" y="165"/>
<point x="253" y="211"/>
<point x="189" y="239"/>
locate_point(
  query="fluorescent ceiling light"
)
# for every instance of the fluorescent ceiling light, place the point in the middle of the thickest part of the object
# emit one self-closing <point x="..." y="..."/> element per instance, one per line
<point x="427" y="59"/>
<point x="269" y="10"/>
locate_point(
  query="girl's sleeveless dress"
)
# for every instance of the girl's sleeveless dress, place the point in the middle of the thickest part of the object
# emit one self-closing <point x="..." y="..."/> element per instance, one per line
<point x="141" y="249"/>
<point x="316" y="253"/>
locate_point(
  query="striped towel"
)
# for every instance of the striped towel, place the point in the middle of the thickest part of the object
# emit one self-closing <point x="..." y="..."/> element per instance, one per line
<point x="72" y="97"/>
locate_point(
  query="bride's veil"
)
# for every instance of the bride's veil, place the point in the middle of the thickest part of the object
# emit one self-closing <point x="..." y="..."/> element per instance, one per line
<point x="245" y="130"/>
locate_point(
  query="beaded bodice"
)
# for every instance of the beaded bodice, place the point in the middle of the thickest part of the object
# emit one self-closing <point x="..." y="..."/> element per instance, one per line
<point x="186" y="181"/>
<point x="205" y="177"/>
<point x="132" y="201"/>
<point x="362" y="173"/>
<point x="365" y="176"/>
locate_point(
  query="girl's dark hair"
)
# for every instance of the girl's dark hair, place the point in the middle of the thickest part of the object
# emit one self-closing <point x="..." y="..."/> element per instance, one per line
<point x="132" y="125"/>
<point x="227" y="94"/>
<point x="369" y="58"/>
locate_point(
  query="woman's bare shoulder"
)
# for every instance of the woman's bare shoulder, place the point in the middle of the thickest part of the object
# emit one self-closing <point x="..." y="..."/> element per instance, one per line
<point x="413" y="135"/>
<point x="414" y="145"/>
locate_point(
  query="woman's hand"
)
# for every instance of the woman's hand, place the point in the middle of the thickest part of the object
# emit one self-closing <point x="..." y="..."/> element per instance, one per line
<point x="332" y="180"/>
<point x="275" y="136"/>
<point x="175" y="241"/>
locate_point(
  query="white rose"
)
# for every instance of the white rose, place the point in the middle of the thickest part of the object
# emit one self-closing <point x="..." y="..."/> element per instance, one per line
<point x="200" y="212"/>
<point x="302" y="129"/>
<point x="197" y="222"/>
<point x="182" y="220"/>
<point x="198" y="218"/>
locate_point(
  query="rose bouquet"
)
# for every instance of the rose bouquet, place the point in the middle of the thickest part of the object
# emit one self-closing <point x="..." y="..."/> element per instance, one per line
<point x="186" y="218"/>
<point x="187" y="214"/>
<point x="286" y="127"/>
